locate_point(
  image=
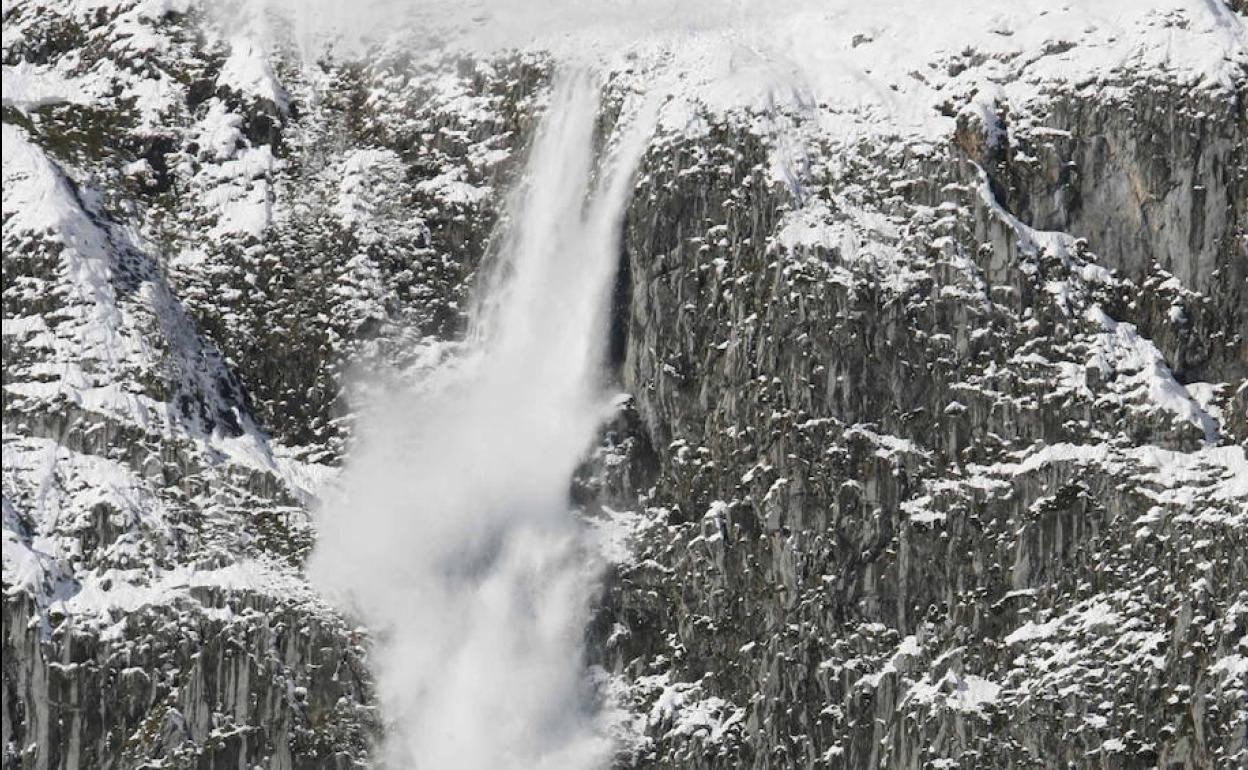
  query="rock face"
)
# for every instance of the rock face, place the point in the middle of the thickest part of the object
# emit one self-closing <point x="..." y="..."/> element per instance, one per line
<point x="195" y="252"/>
<point x="894" y="531"/>
<point x="934" y="450"/>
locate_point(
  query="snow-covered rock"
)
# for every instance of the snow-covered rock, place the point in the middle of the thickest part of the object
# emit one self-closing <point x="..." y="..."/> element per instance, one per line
<point x="933" y="317"/>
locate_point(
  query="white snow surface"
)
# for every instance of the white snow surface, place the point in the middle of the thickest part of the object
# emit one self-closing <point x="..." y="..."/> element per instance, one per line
<point x="854" y="64"/>
<point x="248" y="71"/>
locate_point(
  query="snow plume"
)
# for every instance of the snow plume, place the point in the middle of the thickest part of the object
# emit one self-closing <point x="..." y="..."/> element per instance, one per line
<point x="500" y="24"/>
<point x="852" y="55"/>
<point x="453" y="537"/>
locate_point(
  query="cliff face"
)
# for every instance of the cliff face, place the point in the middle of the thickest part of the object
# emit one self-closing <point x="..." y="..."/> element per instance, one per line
<point x="924" y="494"/>
<point x="934" y="450"/>
<point x="195" y="251"/>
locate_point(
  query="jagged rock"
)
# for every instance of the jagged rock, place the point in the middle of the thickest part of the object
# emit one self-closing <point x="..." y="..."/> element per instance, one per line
<point x="932" y="453"/>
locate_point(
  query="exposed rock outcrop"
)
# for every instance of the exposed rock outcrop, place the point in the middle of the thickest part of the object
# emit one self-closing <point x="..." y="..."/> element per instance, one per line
<point x="932" y="454"/>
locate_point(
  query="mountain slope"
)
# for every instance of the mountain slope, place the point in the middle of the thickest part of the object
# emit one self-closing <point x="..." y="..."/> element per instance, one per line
<point x="933" y="319"/>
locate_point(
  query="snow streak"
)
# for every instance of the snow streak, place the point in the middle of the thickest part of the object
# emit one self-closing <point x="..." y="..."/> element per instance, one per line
<point x="453" y="538"/>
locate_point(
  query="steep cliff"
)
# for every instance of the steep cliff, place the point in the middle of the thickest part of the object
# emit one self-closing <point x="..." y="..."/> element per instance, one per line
<point x="926" y="490"/>
<point x="934" y="333"/>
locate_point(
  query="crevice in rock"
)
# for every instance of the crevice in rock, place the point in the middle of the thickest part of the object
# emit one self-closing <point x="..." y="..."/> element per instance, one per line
<point x="621" y="304"/>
